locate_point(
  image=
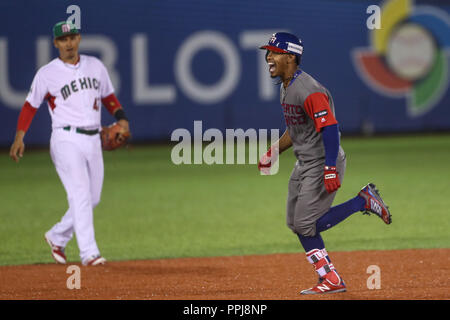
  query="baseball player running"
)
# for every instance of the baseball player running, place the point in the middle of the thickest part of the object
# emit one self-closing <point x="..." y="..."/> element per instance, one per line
<point x="312" y="130"/>
<point x="74" y="86"/>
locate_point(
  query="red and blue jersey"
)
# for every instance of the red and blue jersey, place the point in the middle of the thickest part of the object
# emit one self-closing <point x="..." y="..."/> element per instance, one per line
<point x="308" y="107"/>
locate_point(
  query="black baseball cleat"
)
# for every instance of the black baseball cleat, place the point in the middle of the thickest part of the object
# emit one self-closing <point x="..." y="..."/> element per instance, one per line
<point x="374" y="203"/>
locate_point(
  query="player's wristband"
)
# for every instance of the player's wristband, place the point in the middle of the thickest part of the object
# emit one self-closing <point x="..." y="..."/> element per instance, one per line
<point x="120" y="115"/>
<point x="330" y="168"/>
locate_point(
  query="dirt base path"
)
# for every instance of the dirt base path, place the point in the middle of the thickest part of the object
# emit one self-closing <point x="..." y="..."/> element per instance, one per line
<point x="404" y="274"/>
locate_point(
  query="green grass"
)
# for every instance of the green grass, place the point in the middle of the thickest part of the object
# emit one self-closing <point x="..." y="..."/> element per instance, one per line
<point x="153" y="209"/>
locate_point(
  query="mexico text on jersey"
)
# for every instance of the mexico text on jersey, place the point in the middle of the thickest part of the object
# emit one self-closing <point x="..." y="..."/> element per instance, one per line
<point x="73" y="92"/>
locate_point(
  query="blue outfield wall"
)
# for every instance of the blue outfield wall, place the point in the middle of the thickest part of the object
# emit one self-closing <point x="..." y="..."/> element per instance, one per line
<point x="174" y="61"/>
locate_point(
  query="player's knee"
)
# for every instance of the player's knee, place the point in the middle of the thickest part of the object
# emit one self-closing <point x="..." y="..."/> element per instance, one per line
<point x="304" y="229"/>
<point x="290" y="222"/>
<point x="291" y="226"/>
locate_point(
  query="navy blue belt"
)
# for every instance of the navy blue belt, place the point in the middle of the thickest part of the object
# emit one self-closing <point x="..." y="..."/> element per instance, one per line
<point x="83" y="131"/>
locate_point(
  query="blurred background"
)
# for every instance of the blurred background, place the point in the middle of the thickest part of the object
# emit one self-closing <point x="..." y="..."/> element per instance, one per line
<point x="173" y="62"/>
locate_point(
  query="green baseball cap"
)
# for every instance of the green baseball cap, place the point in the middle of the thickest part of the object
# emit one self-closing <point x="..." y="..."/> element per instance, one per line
<point x="64" y="28"/>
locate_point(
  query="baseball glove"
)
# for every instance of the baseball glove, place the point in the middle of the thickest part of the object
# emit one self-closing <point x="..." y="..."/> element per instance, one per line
<point x="114" y="136"/>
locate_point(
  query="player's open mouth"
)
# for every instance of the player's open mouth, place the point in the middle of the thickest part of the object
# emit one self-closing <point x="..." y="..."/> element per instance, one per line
<point x="271" y="67"/>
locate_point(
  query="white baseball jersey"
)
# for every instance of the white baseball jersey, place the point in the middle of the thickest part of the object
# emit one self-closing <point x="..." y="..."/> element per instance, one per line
<point x="73" y="92"/>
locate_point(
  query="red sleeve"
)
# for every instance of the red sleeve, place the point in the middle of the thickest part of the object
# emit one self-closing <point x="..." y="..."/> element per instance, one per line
<point x="111" y="103"/>
<point x="26" y="116"/>
<point x="317" y="106"/>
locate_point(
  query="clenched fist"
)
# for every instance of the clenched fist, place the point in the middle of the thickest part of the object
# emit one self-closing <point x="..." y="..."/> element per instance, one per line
<point x="331" y="179"/>
<point x="267" y="160"/>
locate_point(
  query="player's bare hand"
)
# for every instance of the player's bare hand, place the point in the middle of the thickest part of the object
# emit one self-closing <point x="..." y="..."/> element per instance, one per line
<point x="17" y="150"/>
<point x="126" y="126"/>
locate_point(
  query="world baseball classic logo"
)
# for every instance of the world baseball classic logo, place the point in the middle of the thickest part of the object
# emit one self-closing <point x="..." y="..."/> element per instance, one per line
<point x="408" y="56"/>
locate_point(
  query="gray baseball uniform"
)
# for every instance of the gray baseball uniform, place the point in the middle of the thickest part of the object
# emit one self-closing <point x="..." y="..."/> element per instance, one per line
<point x="308" y="107"/>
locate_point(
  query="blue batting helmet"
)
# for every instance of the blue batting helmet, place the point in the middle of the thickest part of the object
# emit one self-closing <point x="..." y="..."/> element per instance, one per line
<point x="284" y="42"/>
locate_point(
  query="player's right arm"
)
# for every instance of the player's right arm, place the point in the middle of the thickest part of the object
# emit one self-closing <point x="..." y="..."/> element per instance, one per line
<point x="33" y="101"/>
<point x="269" y="158"/>
<point x="280" y="146"/>
<point x="25" y="118"/>
<point x="18" y="147"/>
<point x="284" y="142"/>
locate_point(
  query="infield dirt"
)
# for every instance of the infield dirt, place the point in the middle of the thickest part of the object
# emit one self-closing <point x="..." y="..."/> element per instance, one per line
<point x="404" y="275"/>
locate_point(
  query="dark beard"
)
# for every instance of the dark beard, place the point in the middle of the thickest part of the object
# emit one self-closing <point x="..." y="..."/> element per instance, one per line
<point x="277" y="81"/>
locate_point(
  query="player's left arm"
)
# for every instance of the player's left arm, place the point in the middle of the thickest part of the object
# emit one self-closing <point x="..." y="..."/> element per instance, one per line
<point x="114" y="107"/>
<point x="111" y="102"/>
<point x="318" y="108"/>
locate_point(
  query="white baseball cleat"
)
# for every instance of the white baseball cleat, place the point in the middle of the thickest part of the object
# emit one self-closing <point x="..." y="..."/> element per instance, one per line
<point x="57" y="251"/>
<point x="94" y="261"/>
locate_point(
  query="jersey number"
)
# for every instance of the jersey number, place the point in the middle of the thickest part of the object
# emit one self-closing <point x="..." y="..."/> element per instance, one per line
<point x="96" y="106"/>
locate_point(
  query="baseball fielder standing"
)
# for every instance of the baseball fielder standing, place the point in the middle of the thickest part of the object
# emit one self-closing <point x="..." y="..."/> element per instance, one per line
<point x="74" y="86"/>
<point x="312" y="130"/>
